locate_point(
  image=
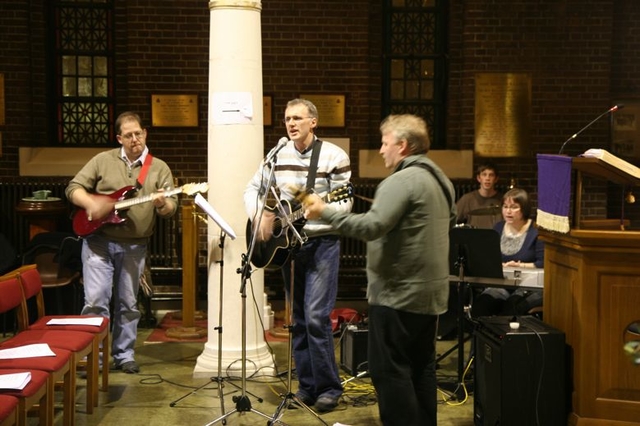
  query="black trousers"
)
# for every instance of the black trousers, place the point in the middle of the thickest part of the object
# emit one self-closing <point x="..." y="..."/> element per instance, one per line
<point x="402" y="364"/>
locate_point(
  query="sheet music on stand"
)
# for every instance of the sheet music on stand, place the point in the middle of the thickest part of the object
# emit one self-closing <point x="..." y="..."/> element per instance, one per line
<point x="213" y="214"/>
<point x="479" y="249"/>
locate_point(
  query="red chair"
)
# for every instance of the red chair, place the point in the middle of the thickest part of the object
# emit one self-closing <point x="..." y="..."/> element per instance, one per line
<point x="8" y="410"/>
<point x="32" y="395"/>
<point x="29" y="277"/>
<point x="58" y="367"/>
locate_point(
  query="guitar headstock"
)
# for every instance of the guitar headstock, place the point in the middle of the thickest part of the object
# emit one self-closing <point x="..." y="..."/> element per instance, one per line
<point x="194" y="188"/>
<point x="342" y="193"/>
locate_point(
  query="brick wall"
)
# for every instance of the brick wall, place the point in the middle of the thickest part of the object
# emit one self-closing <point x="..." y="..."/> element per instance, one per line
<point x="581" y="55"/>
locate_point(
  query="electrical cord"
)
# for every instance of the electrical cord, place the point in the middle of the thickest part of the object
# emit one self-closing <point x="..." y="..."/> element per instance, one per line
<point x="449" y="396"/>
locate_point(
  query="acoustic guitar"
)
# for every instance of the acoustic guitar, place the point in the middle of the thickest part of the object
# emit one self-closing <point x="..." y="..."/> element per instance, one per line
<point x="274" y="252"/>
<point x="123" y="199"/>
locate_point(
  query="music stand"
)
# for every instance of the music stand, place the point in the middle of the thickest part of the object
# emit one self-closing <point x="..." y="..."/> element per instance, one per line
<point x="473" y="252"/>
<point x="225" y="230"/>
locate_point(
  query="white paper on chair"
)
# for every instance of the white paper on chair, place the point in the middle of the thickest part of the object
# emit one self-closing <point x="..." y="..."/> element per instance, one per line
<point x="27" y="351"/>
<point x="95" y="321"/>
<point x="15" y="381"/>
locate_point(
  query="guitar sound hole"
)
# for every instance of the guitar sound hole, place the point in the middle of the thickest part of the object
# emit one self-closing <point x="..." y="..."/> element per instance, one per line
<point x="277" y="228"/>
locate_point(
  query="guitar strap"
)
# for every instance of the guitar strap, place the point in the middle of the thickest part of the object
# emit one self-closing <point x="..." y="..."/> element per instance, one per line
<point x="427" y="167"/>
<point x="313" y="164"/>
<point x="145" y="169"/>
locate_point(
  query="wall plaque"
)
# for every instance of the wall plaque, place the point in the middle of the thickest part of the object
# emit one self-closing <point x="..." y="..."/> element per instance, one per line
<point x="625" y="129"/>
<point x="2" y="118"/>
<point x="267" y="110"/>
<point x="174" y="110"/>
<point x="330" y="109"/>
<point x="502" y="115"/>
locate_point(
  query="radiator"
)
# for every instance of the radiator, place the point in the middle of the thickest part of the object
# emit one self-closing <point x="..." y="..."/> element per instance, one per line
<point x="14" y="225"/>
<point x="165" y="250"/>
<point x="163" y="247"/>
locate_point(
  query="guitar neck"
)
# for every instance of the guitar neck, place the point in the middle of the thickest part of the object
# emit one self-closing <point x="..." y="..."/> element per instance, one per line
<point x="299" y="213"/>
<point x="124" y="204"/>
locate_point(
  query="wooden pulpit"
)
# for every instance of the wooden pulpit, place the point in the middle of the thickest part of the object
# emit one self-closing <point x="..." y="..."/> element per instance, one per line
<point x="592" y="293"/>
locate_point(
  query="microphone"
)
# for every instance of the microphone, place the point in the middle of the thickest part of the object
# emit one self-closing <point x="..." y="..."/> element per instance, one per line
<point x="272" y="154"/>
<point x="612" y="109"/>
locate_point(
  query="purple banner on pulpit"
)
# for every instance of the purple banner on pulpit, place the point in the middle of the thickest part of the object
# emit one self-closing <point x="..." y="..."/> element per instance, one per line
<point x="554" y="192"/>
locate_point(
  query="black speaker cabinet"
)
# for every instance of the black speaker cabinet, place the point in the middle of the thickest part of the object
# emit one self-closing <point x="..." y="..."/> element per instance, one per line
<point x="519" y="373"/>
<point x="353" y="349"/>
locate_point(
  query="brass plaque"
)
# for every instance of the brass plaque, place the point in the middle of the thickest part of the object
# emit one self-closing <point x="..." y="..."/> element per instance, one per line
<point x="503" y="115"/>
<point x="2" y="117"/>
<point x="330" y="109"/>
<point x="174" y="110"/>
<point x="267" y="110"/>
<point x="626" y="130"/>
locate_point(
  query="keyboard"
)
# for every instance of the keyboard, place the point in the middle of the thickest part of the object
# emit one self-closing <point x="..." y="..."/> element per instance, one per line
<point x="513" y="277"/>
<point x="525" y="277"/>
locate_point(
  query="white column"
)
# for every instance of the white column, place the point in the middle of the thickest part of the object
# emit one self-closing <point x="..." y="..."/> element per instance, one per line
<point x="235" y="148"/>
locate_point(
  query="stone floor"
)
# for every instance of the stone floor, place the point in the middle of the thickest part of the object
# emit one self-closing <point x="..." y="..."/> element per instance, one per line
<point x="165" y="393"/>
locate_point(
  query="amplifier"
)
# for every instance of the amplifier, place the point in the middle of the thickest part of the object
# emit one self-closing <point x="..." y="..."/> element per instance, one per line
<point x="520" y="374"/>
<point x="353" y="349"/>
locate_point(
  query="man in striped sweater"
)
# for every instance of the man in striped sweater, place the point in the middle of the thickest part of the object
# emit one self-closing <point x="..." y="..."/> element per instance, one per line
<point x="316" y="260"/>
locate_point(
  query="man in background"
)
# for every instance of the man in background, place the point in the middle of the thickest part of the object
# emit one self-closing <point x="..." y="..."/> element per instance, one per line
<point x="481" y="208"/>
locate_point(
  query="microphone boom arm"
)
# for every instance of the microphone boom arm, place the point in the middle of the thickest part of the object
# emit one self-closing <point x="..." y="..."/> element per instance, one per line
<point x="612" y="109"/>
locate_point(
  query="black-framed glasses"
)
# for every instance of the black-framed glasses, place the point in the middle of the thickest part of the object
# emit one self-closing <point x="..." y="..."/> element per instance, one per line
<point x="295" y="119"/>
<point x="138" y="135"/>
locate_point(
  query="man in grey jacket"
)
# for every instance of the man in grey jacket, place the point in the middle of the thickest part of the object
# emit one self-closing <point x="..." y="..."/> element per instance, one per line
<point x="407" y="234"/>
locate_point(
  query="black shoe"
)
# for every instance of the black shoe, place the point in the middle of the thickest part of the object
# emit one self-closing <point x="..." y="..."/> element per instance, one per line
<point x="450" y="335"/>
<point x="324" y="404"/>
<point x="306" y="400"/>
<point x="129" y="367"/>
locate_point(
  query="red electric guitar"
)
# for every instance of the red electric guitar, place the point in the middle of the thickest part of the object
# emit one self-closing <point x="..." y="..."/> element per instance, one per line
<point x="123" y="199"/>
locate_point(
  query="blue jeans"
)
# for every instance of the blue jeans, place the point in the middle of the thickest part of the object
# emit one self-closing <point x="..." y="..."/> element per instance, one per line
<point x="315" y="287"/>
<point x="402" y="364"/>
<point x="112" y="268"/>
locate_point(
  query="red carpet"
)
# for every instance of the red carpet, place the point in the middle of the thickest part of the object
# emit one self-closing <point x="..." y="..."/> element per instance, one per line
<point x="170" y="329"/>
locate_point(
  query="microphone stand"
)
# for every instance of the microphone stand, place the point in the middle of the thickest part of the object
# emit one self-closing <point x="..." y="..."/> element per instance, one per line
<point x="612" y="109"/>
<point x="458" y="388"/>
<point x="289" y="396"/>
<point x="243" y="403"/>
<point x="219" y="379"/>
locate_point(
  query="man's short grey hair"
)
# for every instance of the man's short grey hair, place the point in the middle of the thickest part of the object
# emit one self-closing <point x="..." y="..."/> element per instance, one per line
<point x="409" y="127"/>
